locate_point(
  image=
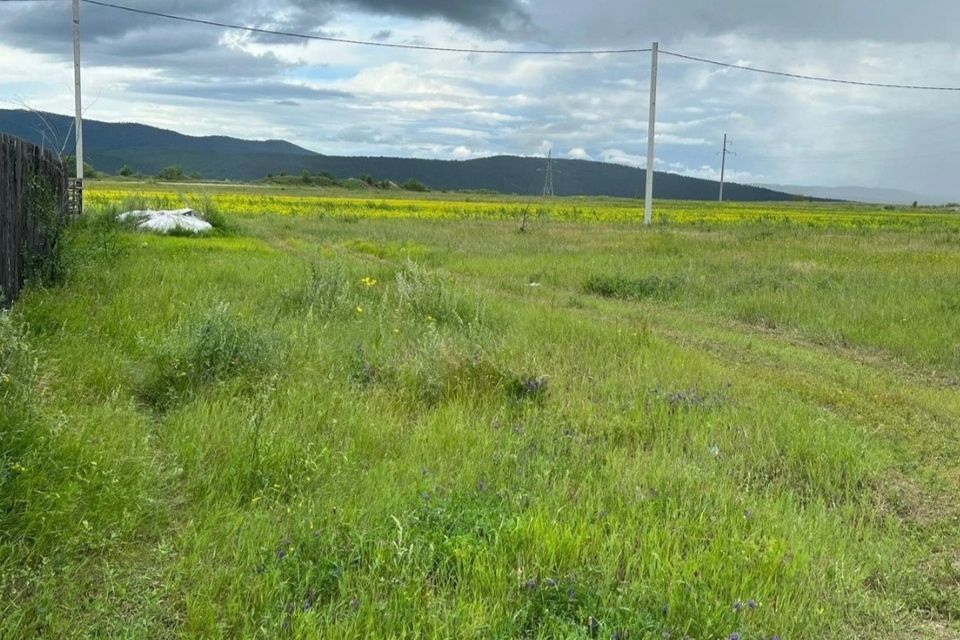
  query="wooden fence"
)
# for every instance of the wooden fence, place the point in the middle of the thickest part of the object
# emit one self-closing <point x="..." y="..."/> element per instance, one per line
<point x="33" y="200"/>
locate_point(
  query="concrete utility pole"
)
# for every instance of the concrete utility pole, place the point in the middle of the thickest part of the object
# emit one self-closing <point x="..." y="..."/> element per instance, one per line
<point x="76" y="97"/>
<point x="651" y="132"/>
<point x="723" y="163"/>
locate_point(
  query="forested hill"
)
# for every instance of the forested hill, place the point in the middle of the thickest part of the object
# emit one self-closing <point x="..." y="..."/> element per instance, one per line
<point x="109" y="146"/>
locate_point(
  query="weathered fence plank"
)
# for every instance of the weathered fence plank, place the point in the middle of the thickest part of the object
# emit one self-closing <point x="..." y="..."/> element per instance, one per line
<point x="25" y="236"/>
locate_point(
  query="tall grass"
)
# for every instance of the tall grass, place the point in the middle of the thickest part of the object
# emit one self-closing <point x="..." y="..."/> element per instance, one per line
<point x="312" y="429"/>
<point x="213" y="349"/>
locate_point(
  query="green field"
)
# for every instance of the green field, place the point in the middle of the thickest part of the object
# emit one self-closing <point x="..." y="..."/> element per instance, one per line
<point x="341" y="421"/>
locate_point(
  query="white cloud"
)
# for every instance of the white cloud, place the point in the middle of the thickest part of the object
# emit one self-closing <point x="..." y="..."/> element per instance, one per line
<point x="619" y="156"/>
<point x="457" y="105"/>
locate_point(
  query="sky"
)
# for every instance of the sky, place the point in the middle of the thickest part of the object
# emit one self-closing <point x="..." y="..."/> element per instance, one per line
<point x="350" y="100"/>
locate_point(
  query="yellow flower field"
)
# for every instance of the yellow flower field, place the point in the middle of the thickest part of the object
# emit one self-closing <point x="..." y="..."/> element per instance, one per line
<point x="257" y="200"/>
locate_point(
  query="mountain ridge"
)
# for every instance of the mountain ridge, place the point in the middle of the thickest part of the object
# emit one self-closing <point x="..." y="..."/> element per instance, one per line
<point x="146" y="149"/>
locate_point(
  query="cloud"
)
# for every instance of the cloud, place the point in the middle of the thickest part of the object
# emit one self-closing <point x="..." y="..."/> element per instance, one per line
<point x="619" y="156"/>
<point x="636" y="22"/>
<point x="496" y="16"/>
<point x="708" y="172"/>
<point x="245" y="92"/>
<point x="339" y="98"/>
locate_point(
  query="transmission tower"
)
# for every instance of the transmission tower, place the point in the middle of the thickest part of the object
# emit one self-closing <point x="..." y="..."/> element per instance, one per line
<point x="723" y="161"/>
<point x="548" y="175"/>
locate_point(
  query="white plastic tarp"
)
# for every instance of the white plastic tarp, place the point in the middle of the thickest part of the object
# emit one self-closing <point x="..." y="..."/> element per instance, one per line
<point x="167" y="221"/>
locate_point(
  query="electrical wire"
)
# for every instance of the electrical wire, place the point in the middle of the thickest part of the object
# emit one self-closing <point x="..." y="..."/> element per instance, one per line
<point x="519" y="52"/>
<point x="799" y="76"/>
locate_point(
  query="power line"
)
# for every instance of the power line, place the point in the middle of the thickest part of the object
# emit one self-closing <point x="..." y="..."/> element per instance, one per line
<point x="366" y="43"/>
<point x="799" y="76"/>
<point x="519" y="52"/>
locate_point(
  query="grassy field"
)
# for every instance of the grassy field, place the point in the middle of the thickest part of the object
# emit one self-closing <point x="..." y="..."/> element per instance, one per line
<point x="342" y="418"/>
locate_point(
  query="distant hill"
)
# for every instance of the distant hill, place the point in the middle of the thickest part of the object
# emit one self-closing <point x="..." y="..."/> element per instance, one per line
<point x="56" y="130"/>
<point x="109" y="146"/>
<point x="858" y="194"/>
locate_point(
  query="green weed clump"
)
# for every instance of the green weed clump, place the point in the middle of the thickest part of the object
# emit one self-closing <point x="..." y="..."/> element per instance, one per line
<point x="439" y="366"/>
<point x="327" y="291"/>
<point x="433" y="297"/>
<point x="625" y="288"/>
<point x="218" y="348"/>
<point x="210" y="210"/>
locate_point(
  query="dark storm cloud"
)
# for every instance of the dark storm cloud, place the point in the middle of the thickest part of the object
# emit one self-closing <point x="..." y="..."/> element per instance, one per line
<point x="118" y="38"/>
<point x="634" y="21"/>
<point x="46" y="26"/>
<point x="504" y="16"/>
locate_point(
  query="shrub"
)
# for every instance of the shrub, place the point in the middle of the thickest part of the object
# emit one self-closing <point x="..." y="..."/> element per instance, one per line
<point x="415" y="185"/>
<point x="93" y="240"/>
<point x="354" y="184"/>
<point x="46" y="265"/>
<point x="173" y="172"/>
